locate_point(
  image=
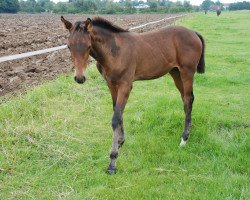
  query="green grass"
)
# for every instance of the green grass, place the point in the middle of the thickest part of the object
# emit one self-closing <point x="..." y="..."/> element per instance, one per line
<point x="55" y="139"/>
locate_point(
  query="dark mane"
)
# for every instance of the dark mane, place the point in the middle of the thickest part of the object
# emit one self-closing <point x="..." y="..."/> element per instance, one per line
<point x="103" y="23"/>
<point x="99" y="22"/>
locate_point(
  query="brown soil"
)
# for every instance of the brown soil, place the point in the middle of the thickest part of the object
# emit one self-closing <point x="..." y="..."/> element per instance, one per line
<point x="21" y="33"/>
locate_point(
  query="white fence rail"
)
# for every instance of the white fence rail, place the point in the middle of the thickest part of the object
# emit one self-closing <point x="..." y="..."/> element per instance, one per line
<point x="38" y="52"/>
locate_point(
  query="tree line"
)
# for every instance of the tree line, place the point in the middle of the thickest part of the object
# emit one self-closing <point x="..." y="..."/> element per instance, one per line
<point x="210" y="5"/>
<point x="109" y="6"/>
<point x="94" y="6"/>
<point x="240" y="6"/>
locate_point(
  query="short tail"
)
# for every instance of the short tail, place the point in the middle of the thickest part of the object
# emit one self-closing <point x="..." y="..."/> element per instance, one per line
<point x="201" y="65"/>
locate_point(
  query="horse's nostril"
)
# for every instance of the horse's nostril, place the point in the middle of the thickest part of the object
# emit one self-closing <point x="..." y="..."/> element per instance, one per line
<point x="80" y="80"/>
<point x="84" y="79"/>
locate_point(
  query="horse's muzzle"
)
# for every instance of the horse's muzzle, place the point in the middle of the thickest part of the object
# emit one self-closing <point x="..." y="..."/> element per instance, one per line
<point x="80" y="80"/>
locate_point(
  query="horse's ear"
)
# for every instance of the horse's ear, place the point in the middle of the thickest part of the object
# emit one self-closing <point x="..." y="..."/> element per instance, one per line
<point x="66" y="23"/>
<point x="88" y="25"/>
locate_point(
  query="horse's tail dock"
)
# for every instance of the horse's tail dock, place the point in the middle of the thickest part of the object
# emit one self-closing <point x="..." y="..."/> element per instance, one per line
<point x="201" y="65"/>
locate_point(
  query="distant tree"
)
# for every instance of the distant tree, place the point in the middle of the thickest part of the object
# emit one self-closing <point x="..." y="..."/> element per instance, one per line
<point x="153" y="5"/>
<point x="9" y="6"/>
<point x="112" y="8"/>
<point x="60" y="7"/>
<point x="162" y="3"/>
<point x="128" y="7"/>
<point x="187" y="6"/>
<point x="85" y="5"/>
<point x="28" y="6"/>
<point x="71" y="8"/>
<point x="219" y="6"/>
<point x="218" y="3"/>
<point x="46" y="5"/>
<point x="135" y="3"/>
<point x="206" y="5"/>
<point x="176" y="7"/>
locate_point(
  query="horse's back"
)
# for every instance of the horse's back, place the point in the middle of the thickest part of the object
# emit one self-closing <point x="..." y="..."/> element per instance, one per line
<point x="173" y="40"/>
<point x="178" y="36"/>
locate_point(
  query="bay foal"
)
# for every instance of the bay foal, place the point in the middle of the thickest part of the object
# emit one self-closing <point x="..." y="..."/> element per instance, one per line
<point x="123" y="57"/>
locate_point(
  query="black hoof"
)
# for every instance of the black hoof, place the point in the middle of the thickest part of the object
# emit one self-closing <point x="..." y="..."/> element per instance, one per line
<point x="111" y="171"/>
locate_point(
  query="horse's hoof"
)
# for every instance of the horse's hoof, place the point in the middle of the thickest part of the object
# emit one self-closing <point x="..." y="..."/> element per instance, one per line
<point x="183" y="142"/>
<point x="111" y="171"/>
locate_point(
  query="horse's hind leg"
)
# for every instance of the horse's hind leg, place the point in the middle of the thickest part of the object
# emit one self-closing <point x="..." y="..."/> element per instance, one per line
<point x="175" y="73"/>
<point x="188" y="99"/>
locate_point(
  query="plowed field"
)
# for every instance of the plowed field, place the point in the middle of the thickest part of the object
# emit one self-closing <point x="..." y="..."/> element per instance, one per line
<point x="22" y="33"/>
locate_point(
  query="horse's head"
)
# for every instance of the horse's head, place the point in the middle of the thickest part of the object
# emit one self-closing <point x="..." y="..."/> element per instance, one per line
<point x="79" y="44"/>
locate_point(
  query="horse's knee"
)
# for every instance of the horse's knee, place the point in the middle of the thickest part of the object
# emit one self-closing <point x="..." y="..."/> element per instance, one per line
<point x="121" y="142"/>
<point x="113" y="155"/>
<point x="192" y="97"/>
<point x="116" y="121"/>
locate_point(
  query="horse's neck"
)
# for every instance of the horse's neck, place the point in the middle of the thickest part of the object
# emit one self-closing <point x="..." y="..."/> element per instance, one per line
<point x="101" y="43"/>
<point x="97" y="52"/>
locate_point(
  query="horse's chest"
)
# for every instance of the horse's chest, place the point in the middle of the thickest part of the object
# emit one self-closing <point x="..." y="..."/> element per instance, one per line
<point x="111" y="76"/>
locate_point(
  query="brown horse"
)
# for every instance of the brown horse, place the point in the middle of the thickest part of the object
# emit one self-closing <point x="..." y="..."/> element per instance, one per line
<point x="218" y="12"/>
<point x="123" y="57"/>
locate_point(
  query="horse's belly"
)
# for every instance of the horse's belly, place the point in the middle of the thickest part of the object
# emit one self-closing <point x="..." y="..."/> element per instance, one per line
<point x="154" y="62"/>
<point x="148" y="73"/>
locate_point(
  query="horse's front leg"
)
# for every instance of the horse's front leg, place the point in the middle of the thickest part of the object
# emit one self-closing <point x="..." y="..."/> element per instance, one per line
<point x="117" y="124"/>
<point x="113" y="91"/>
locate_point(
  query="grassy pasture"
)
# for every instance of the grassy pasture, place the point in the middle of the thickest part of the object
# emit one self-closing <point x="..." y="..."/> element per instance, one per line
<point x="55" y="139"/>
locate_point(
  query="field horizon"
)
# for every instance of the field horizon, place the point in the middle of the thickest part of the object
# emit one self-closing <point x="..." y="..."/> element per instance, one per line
<point x="56" y="137"/>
